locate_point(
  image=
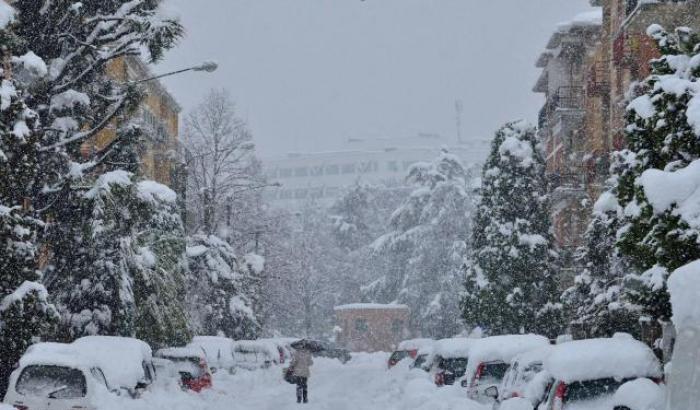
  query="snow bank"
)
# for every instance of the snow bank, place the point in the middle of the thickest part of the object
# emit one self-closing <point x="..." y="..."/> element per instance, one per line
<point x="517" y="403"/>
<point x="120" y="358"/>
<point x="684" y="287"/>
<point x="680" y="188"/>
<point x="369" y="306"/>
<point x="453" y="348"/>
<point x="501" y="348"/>
<point x="640" y="394"/>
<point x="600" y="358"/>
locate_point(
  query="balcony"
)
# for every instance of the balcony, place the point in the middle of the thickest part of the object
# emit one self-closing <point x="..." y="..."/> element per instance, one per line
<point x="598" y="82"/>
<point x="567" y="186"/>
<point x="570" y="97"/>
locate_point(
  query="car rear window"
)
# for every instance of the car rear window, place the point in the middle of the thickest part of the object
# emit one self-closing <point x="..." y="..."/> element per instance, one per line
<point x="61" y="382"/>
<point x="592" y="389"/>
<point x="398" y="355"/>
<point x="457" y="366"/>
<point x="494" y="370"/>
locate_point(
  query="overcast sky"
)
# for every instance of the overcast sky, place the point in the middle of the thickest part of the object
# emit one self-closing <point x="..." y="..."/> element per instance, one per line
<point x="308" y="74"/>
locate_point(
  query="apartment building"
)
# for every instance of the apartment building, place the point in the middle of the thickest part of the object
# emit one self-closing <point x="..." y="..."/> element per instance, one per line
<point x="564" y="65"/>
<point x="159" y="116"/>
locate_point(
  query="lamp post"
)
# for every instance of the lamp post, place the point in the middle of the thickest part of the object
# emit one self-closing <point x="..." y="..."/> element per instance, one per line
<point x="207" y="66"/>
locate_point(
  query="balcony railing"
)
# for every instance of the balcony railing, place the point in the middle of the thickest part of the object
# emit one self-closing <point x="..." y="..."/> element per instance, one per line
<point x="570" y="97"/>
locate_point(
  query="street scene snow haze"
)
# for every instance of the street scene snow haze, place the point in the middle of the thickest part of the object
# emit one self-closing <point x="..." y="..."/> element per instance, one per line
<point x="349" y="205"/>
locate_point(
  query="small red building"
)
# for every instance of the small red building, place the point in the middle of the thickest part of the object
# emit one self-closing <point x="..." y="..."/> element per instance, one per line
<point x="370" y="327"/>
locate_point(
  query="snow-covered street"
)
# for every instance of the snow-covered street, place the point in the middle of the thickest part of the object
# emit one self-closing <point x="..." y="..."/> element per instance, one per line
<point x="362" y="384"/>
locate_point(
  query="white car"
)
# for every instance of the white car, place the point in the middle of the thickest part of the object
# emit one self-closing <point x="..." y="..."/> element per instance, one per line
<point x="255" y="354"/>
<point x="127" y="362"/>
<point x="55" y="376"/>
<point x="525" y="378"/>
<point x="588" y="373"/>
<point x="219" y="351"/>
<point x="489" y="360"/>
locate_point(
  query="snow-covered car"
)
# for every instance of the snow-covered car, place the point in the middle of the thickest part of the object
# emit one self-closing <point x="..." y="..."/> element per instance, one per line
<point x="407" y="349"/>
<point x="255" y="354"/>
<point x="451" y="359"/>
<point x="587" y="373"/>
<point x="55" y="376"/>
<point x="425" y="358"/>
<point x="283" y="345"/>
<point x="489" y="359"/>
<point x="129" y="364"/>
<point x="331" y="351"/>
<point x="525" y="378"/>
<point x="217" y="350"/>
<point x="640" y="394"/>
<point x="188" y="365"/>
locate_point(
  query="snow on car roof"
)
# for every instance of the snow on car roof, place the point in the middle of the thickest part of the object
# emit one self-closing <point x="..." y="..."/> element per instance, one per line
<point x="57" y="354"/>
<point x="452" y="348"/>
<point x="533" y="356"/>
<point x="591" y="359"/>
<point x="255" y="346"/>
<point x="370" y="306"/>
<point x="217" y="349"/>
<point x="120" y="358"/>
<point x="502" y="348"/>
<point x="417" y="344"/>
<point x="180" y="353"/>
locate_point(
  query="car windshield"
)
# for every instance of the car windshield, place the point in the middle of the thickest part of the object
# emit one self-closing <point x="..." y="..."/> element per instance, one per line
<point x="59" y="382"/>
<point x="592" y="389"/>
<point x="398" y="355"/>
<point x="188" y="365"/>
<point x="420" y="360"/>
<point x="494" y="371"/>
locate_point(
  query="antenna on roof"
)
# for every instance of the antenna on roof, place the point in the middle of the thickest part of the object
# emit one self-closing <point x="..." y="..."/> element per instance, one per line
<point x="459" y="109"/>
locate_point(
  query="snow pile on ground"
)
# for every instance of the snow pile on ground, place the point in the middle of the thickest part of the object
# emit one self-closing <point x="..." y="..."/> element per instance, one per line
<point x="363" y="384"/>
<point x="517" y="403"/>
<point x="502" y="348"/>
<point x="618" y="357"/>
<point x="684" y="287"/>
<point x="640" y="394"/>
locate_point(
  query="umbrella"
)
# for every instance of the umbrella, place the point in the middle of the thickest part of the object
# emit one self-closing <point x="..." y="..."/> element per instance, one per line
<point x="310" y="345"/>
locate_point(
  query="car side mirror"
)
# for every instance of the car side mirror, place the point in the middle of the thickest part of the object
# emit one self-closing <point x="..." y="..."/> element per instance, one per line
<point x="465" y="383"/>
<point x="491" y="392"/>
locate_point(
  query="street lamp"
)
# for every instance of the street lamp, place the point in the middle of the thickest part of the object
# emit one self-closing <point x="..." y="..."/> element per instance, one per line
<point x="207" y="66"/>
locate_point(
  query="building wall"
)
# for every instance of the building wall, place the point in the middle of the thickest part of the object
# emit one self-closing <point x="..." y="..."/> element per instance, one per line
<point x="372" y="329"/>
<point x="158" y="115"/>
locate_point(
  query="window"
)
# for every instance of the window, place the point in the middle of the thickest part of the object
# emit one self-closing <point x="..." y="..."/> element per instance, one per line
<point x="361" y="325"/>
<point x="52" y="381"/>
<point x="397" y="327"/>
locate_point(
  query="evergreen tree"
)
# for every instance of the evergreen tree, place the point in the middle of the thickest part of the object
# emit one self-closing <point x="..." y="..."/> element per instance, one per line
<point x="421" y="254"/>
<point x="510" y="276"/>
<point x="595" y="301"/>
<point x="25" y="313"/>
<point x="655" y="232"/>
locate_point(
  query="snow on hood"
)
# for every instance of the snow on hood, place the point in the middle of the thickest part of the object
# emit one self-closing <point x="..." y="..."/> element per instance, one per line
<point x="256" y="346"/>
<point x="453" y="348"/>
<point x="618" y="357"/>
<point x="640" y="394"/>
<point x="416" y="344"/>
<point x="684" y="287"/>
<point x="502" y="348"/>
<point x="120" y="358"/>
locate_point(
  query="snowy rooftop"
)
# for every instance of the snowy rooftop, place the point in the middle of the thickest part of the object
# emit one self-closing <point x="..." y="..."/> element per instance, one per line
<point x="371" y="306"/>
<point x="619" y="357"/>
<point x="586" y="19"/>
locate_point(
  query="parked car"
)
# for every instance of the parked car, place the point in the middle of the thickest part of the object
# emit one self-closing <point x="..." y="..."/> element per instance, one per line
<point x="128" y="366"/>
<point x="284" y="349"/>
<point x="331" y="351"/>
<point x="425" y="359"/>
<point x="451" y="359"/>
<point x="589" y="372"/>
<point x="255" y="354"/>
<point x="407" y="349"/>
<point x="489" y="359"/>
<point x="189" y="364"/>
<point x="55" y="376"/>
<point x="217" y="350"/>
<point x="525" y="378"/>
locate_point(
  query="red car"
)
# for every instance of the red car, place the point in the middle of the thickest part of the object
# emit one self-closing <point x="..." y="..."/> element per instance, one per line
<point x="190" y="365"/>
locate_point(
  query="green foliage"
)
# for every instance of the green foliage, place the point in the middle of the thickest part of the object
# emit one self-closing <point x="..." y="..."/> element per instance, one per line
<point x="510" y="276"/>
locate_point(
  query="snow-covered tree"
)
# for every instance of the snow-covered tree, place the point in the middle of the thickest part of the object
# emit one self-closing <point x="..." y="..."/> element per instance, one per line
<point x="421" y="254"/>
<point x="221" y="163"/>
<point x="222" y="291"/>
<point x="595" y="302"/>
<point x="655" y="176"/>
<point x="510" y="275"/>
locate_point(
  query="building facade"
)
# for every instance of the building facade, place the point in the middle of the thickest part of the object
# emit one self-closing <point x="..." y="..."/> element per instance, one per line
<point x="367" y="327"/>
<point x="323" y="176"/>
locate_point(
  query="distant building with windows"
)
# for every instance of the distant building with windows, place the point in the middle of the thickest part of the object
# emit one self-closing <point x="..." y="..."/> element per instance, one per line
<point x="323" y="176"/>
<point x="370" y="327"/>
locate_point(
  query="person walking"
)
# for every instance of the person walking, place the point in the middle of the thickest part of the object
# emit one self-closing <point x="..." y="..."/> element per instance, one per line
<point x="301" y="369"/>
